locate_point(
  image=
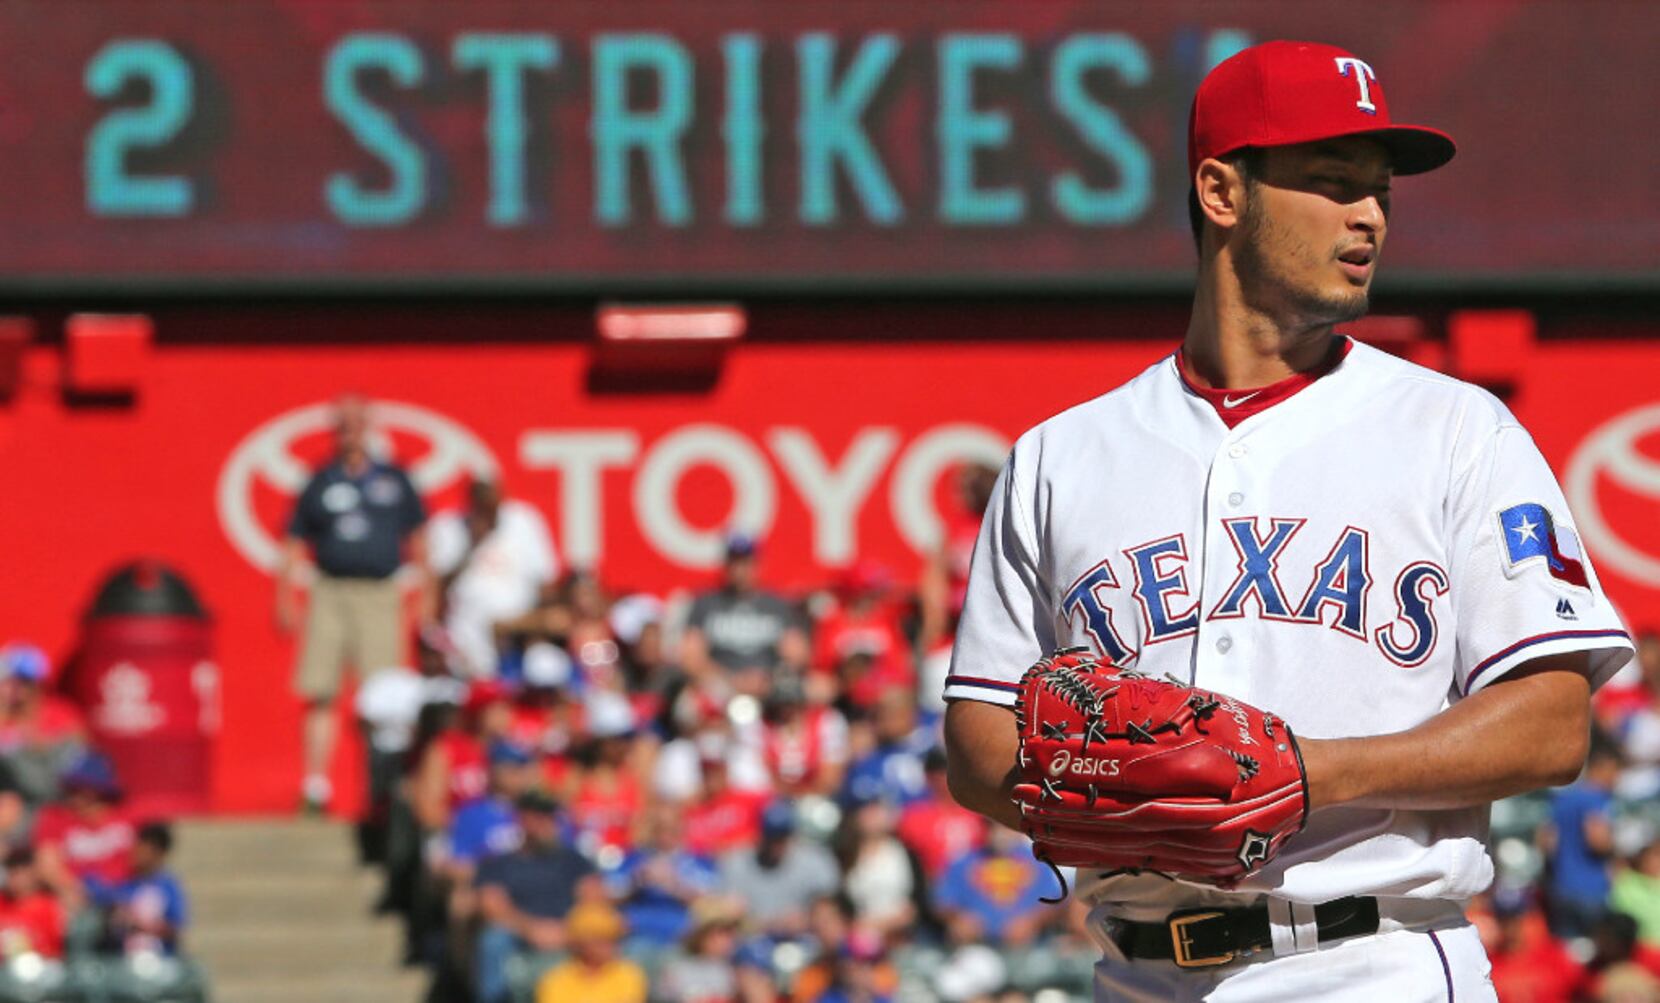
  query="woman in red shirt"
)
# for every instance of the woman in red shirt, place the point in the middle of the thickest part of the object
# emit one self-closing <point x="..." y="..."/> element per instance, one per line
<point x="861" y="641"/>
<point x="32" y="919"/>
<point x="85" y="841"/>
<point x="805" y="744"/>
<point x="454" y="768"/>
<point x="721" y="818"/>
<point x="944" y="580"/>
<point x="604" y="796"/>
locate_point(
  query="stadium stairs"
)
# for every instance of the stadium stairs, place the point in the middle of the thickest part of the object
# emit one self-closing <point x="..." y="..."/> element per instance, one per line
<point x="282" y="914"/>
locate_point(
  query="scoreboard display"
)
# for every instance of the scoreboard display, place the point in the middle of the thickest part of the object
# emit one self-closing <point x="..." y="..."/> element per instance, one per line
<point x="639" y="145"/>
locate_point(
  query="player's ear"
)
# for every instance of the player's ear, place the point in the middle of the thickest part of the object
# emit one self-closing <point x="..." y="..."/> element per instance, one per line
<point x="1220" y="189"/>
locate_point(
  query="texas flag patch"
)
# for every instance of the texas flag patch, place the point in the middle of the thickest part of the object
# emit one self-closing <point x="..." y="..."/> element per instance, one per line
<point x="1530" y="534"/>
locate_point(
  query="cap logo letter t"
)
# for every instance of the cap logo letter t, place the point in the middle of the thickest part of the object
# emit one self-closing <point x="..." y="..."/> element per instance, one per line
<point x="1363" y="76"/>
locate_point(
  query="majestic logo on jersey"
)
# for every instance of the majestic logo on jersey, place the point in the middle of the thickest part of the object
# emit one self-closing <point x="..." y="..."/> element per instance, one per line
<point x="1336" y="594"/>
<point x="1531" y="536"/>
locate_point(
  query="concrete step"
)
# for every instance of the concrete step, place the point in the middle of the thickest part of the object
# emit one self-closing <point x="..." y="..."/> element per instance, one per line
<point x="274" y="949"/>
<point x="282" y="912"/>
<point x="320" y="899"/>
<point x="282" y="846"/>
<point x="403" y="986"/>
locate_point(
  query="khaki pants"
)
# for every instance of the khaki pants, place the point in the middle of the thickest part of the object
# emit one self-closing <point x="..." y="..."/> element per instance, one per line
<point x="356" y="620"/>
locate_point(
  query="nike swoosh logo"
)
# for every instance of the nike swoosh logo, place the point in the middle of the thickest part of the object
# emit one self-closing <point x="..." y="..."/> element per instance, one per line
<point x="1236" y="401"/>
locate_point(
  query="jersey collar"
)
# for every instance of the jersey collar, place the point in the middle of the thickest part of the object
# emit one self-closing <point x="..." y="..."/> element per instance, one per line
<point x="1235" y="405"/>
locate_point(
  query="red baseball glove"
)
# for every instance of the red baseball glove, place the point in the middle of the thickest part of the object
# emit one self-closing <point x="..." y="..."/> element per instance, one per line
<point x="1120" y="771"/>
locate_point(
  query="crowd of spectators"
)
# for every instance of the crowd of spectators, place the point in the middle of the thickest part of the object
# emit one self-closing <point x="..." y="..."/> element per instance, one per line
<point x="85" y="890"/>
<point x="1575" y="912"/>
<point x="729" y="794"/>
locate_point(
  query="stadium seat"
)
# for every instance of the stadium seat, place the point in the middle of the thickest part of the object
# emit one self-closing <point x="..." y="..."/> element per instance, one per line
<point x="144" y="979"/>
<point x="525" y="969"/>
<point x="30" y="978"/>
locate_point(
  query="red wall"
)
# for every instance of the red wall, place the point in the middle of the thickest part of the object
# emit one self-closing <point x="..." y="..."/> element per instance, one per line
<point x="89" y="486"/>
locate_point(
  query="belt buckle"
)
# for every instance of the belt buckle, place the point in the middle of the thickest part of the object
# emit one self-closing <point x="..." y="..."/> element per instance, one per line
<point x="1182" y="942"/>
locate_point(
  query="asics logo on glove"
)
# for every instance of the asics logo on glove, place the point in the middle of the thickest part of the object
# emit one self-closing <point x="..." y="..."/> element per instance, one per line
<point x="1084" y="766"/>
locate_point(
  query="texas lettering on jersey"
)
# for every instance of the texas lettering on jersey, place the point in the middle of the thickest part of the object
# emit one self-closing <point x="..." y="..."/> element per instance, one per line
<point x="1335" y="595"/>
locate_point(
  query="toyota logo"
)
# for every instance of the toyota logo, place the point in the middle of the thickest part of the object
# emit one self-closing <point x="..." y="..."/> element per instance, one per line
<point x="266" y="455"/>
<point x="1610" y="452"/>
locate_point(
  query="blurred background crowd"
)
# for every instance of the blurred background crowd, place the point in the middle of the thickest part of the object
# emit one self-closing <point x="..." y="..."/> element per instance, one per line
<point x="728" y="794"/>
<point x="88" y="905"/>
<point x="1575" y="912"/>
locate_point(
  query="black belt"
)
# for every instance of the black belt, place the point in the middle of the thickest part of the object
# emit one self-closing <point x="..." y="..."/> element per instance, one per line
<point x="1199" y="938"/>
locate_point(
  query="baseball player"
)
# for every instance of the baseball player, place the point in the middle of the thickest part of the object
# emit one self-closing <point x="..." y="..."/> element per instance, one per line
<point x="1350" y="581"/>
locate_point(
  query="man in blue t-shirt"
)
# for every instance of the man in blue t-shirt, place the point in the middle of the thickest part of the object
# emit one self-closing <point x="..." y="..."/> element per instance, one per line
<point x="357" y="517"/>
<point x="1579" y="842"/>
<point x="149" y="909"/>
<point x="480" y="829"/>
<point x="657" y="882"/>
<point x="892" y="771"/>
<point x="525" y="895"/>
<point x="489" y="826"/>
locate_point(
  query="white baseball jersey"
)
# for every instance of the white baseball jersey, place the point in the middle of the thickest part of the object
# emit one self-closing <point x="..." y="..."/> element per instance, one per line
<point x="1379" y="543"/>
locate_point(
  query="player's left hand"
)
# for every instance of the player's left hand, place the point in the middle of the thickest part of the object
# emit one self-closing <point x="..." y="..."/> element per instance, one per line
<point x="1119" y="771"/>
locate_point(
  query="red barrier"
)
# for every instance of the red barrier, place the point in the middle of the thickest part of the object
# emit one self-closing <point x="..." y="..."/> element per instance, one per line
<point x="150" y="688"/>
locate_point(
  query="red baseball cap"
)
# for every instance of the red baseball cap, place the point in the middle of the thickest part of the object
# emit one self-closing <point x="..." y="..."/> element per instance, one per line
<point x="1281" y="93"/>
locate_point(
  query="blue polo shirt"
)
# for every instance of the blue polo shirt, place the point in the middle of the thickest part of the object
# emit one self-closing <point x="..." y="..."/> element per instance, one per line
<point x="159" y="895"/>
<point x="356" y="525"/>
<point x="1576" y="871"/>
<point x="661" y="914"/>
<point x="541" y="883"/>
<point x="483" y="828"/>
<point x="890" y="772"/>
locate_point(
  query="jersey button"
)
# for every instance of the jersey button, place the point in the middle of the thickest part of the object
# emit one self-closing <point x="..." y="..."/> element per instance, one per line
<point x="1236" y="499"/>
<point x="1224" y="644"/>
<point x="1237" y="450"/>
